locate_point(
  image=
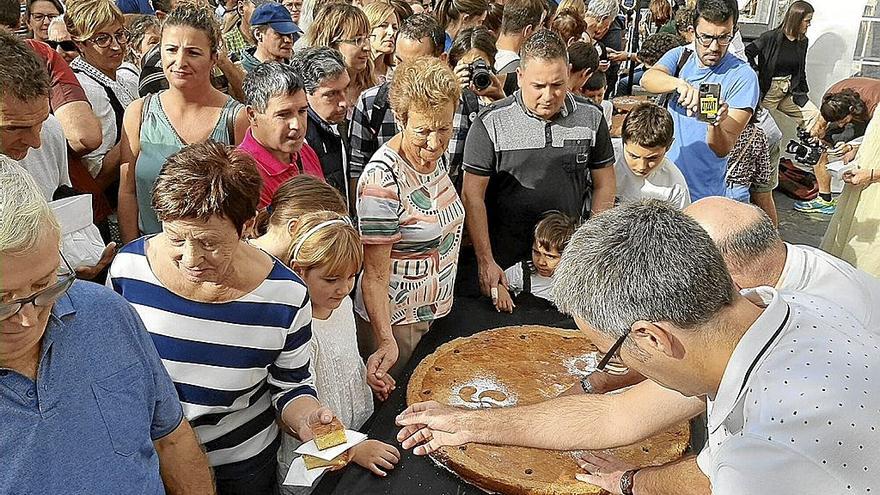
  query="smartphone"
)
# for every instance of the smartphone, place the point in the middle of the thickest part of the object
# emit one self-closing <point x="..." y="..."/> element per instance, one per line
<point x="710" y="102"/>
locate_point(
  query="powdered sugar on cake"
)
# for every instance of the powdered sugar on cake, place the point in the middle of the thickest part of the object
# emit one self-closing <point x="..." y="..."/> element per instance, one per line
<point x="482" y="392"/>
<point x="581" y="365"/>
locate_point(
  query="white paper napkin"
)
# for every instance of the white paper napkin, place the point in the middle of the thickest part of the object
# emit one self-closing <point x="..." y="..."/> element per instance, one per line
<point x="298" y="475"/>
<point x="309" y="448"/>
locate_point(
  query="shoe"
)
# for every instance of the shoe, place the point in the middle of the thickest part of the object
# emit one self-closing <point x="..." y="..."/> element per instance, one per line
<point x="817" y="205"/>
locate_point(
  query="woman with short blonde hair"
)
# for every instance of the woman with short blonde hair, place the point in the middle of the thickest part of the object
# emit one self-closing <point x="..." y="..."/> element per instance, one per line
<point x="411" y="221"/>
<point x="346" y="28"/>
<point x="384" y="25"/>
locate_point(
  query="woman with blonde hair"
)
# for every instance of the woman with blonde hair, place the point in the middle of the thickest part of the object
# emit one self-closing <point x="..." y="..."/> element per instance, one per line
<point x="384" y="25"/>
<point x="98" y="29"/>
<point x="190" y="111"/>
<point x="326" y="252"/>
<point x="854" y="232"/>
<point x="411" y="220"/>
<point x="346" y="28"/>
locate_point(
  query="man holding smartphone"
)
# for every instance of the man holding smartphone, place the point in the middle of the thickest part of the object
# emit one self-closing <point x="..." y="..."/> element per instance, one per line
<point x="702" y="144"/>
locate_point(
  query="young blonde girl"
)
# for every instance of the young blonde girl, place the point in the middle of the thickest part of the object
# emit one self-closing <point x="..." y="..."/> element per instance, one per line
<point x="326" y="251"/>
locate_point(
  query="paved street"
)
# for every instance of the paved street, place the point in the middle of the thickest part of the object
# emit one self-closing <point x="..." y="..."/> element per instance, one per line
<point x="799" y="228"/>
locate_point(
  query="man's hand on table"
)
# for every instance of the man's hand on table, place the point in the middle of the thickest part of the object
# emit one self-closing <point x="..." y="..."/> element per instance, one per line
<point x="427" y="426"/>
<point x="603" y="470"/>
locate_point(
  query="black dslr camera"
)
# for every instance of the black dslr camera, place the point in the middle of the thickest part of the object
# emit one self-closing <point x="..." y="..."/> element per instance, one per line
<point x="806" y="149"/>
<point x="481" y="74"/>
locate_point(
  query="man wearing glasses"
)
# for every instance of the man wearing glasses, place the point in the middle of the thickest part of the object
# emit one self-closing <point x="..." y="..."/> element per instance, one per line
<point x="700" y="149"/>
<point x="785" y="377"/>
<point x="86" y="405"/>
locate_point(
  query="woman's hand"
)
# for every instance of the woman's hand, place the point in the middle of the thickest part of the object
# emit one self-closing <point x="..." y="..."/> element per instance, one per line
<point x="90" y="272"/>
<point x="381" y="361"/>
<point x="382" y="387"/>
<point x="375" y="456"/>
<point x="303" y="427"/>
<point x="860" y="177"/>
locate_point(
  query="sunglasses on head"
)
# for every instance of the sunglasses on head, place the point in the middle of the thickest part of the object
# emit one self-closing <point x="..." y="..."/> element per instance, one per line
<point x="67" y="46"/>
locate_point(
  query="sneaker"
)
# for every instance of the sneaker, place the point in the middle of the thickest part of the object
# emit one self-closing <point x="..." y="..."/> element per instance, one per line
<point x="817" y="205"/>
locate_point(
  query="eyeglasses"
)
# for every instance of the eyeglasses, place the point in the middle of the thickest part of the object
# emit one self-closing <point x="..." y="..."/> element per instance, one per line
<point x="617" y="367"/>
<point x="42" y="17"/>
<point x="67" y="46"/>
<point x="359" y="41"/>
<point x="44" y="297"/>
<point x="707" y="40"/>
<point x="104" y="40"/>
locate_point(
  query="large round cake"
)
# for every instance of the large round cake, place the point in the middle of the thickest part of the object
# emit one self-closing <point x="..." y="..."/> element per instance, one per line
<point x="519" y="366"/>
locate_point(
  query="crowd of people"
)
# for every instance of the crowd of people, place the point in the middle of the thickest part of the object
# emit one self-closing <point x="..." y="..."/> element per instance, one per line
<point x="283" y="198"/>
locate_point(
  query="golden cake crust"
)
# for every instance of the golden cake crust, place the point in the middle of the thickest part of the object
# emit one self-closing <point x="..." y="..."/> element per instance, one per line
<point x="519" y="366"/>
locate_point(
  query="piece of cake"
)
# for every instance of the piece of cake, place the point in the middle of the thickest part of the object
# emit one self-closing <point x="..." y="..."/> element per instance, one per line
<point x="313" y="462"/>
<point x="328" y="435"/>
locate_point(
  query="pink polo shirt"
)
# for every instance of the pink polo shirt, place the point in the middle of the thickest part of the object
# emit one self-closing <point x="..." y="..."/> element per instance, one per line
<point x="274" y="172"/>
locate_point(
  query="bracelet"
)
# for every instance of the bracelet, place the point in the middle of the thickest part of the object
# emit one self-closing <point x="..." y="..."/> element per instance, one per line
<point x="872" y="175"/>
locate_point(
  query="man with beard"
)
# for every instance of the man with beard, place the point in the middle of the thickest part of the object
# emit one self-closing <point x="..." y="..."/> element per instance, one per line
<point x="277" y="109"/>
<point x="700" y="149"/>
<point x="325" y="79"/>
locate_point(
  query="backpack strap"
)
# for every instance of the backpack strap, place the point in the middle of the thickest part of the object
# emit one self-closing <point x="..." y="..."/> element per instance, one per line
<point x="115" y="104"/>
<point x="380" y="106"/>
<point x="230" y="124"/>
<point x="666" y="98"/>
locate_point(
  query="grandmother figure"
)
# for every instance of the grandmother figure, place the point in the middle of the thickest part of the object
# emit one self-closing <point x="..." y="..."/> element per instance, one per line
<point x="87" y="406"/>
<point x="410" y="221"/>
<point x="231" y="323"/>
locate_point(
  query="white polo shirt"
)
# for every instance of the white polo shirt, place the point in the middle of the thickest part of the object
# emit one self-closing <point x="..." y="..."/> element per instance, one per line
<point x="666" y="182"/>
<point x="48" y="163"/>
<point x="798" y="407"/>
<point x="816" y="272"/>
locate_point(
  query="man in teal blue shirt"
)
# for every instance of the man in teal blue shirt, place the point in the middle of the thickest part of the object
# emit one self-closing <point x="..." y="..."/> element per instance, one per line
<point x="700" y="149"/>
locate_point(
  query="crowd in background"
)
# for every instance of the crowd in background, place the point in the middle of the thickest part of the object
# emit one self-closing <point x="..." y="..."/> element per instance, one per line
<point x="288" y="195"/>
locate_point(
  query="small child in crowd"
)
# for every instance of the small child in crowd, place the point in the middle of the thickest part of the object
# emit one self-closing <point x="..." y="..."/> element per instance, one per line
<point x="326" y="252"/>
<point x="594" y="89"/>
<point x="536" y="276"/>
<point x="643" y="171"/>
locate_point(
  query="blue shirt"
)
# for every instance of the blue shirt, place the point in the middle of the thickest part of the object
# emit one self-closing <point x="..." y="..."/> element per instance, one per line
<point x="101" y="398"/>
<point x="703" y="170"/>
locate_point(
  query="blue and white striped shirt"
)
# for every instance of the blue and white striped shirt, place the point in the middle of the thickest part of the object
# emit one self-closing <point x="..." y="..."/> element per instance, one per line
<point x="234" y="364"/>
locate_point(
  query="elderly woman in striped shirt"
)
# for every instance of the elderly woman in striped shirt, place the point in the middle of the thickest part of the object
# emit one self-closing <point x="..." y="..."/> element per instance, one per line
<point x="231" y="323"/>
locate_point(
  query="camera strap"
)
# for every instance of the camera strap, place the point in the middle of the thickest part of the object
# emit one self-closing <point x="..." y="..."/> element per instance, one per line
<point x="685" y="55"/>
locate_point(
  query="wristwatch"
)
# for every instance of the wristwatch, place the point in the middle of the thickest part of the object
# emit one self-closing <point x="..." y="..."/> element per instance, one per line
<point x="586" y="385"/>
<point x="626" y="482"/>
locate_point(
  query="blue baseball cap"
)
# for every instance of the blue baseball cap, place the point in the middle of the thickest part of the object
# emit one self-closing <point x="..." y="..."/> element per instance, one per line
<point x="276" y="16"/>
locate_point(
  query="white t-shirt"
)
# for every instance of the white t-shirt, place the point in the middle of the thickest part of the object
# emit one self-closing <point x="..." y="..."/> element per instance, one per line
<point x="796" y="410"/>
<point x="48" y="163"/>
<point x="607" y="111"/>
<point x="541" y="286"/>
<point x="504" y="57"/>
<point x="815" y="272"/>
<point x="666" y="182"/>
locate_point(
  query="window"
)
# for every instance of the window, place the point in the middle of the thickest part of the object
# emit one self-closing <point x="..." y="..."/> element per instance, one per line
<point x="866" y="59"/>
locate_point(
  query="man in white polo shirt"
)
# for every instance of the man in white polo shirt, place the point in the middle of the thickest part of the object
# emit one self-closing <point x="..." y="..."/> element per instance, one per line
<point x="787" y="381"/>
<point x="757" y="256"/>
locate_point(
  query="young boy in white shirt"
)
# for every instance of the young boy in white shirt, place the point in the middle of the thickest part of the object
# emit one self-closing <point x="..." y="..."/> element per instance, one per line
<point x="643" y="171"/>
<point x="536" y="276"/>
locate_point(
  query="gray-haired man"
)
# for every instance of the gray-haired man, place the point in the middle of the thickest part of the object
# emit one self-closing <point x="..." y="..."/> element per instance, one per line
<point x="762" y="362"/>
<point x="325" y="80"/>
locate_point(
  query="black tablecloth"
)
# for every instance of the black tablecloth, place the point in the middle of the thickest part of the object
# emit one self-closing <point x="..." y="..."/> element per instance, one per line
<point x="419" y="475"/>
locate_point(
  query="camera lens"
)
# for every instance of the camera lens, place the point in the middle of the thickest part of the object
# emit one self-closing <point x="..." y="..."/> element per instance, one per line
<point x="481" y="74"/>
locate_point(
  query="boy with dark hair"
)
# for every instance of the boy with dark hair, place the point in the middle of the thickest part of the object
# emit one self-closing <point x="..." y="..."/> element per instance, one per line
<point x="536" y="276"/>
<point x="519" y="19"/>
<point x="583" y="60"/>
<point x="643" y="171"/>
<point x="594" y="89"/>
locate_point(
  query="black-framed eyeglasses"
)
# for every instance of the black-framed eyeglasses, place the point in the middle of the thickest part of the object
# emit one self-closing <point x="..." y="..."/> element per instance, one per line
<point x="614" y="351"/>
<point x="104" y="40"/>
<point x="67" y="45"/>
<point x="706" y="40"/>
<point x="43" y="297"/>
<point x="42" y="17"/>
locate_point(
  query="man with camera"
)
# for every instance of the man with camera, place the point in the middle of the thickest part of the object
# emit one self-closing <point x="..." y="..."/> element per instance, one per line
<point x="715" y="95"/>
<point x="538" y="150"/>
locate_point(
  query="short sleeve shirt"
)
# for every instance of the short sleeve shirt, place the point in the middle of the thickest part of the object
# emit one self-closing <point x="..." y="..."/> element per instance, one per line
<point x="65" y="87"/>
<point x="421" y="216"/>
<point x="274" y="172"/>
<point x="703" y="169"/>
<point x="535" y="165"/>
<point x="664" y="183"/>
<point x="101" y="398"/>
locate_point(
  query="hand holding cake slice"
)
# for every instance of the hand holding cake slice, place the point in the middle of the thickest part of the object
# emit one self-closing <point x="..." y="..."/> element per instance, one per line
<point x="328" y="435"/>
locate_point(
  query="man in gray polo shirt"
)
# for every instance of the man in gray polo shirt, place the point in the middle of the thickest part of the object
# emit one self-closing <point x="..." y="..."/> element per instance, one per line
<point x="540" y="149"/>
